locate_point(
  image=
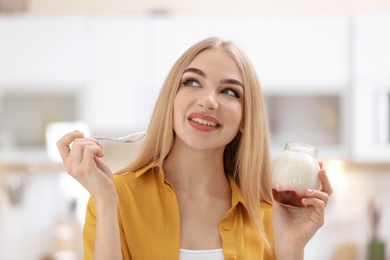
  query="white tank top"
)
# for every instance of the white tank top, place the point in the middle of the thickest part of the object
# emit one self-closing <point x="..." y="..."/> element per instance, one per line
<point x="213" y="254"/>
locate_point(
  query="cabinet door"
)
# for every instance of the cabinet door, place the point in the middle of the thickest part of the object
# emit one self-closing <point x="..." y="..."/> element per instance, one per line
<point x="371" y="89"/>
<point x="371" y="124"/>
<point x="117" y="98"/>
<point x="42" y="51"/>
<point x="371" y="49"/>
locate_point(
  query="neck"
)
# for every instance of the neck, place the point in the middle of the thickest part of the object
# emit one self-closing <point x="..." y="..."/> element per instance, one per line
<point x="196" y="171"/>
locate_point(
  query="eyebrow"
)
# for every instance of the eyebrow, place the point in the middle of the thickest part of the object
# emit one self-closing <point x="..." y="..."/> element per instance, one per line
<point x="225" y="81"/>
<point x="196" y="71"/>
<point x="232" y="81"/>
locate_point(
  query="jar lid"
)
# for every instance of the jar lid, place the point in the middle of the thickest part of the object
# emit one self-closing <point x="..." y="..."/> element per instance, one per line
<point x="301" y="147"/>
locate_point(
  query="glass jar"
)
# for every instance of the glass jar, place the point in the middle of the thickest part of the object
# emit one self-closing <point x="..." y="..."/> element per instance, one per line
<point x="294" y="171"/>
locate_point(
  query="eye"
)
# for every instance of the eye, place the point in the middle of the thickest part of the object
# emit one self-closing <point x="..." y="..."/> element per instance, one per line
<point x="191" y="82"/>
<point x="231" y="92"/>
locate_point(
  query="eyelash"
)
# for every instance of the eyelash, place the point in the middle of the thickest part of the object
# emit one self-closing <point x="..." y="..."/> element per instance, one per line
<point x="225" y="90"/>
<point x="185" y="81"/>
<point x="231" y="89"/>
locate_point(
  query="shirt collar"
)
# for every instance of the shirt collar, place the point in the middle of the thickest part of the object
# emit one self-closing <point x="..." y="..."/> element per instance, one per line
<point x="236" y="191"/>
<point x="148" y="167"/>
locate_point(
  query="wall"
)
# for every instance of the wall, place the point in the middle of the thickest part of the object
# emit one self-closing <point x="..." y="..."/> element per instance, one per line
<point x="191" y="6"/>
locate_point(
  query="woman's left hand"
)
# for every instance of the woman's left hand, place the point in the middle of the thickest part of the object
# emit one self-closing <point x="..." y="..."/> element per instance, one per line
<point x="294" y="227"/>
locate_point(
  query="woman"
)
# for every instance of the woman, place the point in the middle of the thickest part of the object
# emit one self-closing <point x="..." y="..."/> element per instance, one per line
<point x="201" y="186"/>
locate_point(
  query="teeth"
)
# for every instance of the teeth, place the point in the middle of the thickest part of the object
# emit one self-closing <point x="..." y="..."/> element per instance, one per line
<point x="204" y="122"/>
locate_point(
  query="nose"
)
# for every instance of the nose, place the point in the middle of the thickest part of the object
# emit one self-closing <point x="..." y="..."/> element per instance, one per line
<point x="208" y="100"/>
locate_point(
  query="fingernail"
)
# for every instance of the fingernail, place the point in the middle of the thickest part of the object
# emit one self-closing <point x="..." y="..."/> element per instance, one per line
<point x="310" y="191"/>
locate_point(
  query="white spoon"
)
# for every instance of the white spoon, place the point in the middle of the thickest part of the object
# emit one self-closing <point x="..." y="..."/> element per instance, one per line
<point x="138" y="136"/>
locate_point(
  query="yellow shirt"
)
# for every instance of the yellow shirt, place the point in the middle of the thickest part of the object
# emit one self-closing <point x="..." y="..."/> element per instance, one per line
<point x="149" y="221"/>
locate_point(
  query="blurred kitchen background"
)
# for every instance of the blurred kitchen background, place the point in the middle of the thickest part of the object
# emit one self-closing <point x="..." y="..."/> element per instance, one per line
<point x="97" y="66"/>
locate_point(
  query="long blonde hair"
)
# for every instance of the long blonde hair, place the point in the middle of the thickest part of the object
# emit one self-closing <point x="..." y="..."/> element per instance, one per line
<point x="246" y="157"/>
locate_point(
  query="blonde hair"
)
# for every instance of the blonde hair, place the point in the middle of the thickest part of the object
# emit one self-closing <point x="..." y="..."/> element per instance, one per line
<point x="246" y="157"/>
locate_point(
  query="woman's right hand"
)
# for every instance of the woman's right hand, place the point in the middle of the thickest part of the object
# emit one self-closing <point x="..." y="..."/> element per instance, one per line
<point x="83" y="161"/>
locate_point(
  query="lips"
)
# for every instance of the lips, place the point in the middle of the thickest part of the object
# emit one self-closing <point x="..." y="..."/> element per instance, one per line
<point x="203" y="122"/>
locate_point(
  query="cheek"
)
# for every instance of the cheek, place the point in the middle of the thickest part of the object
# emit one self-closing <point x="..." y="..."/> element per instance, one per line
<point x="240" y="111"/>
<point x="236" y="115"/>
<point x="180" y="97"/>
<point x="183" y="100"/>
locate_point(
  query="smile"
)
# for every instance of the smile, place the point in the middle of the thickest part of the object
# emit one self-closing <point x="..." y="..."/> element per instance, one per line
<point x="204" y="122"/>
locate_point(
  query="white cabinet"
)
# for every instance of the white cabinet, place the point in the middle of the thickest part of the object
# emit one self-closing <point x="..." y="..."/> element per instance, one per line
<point x="42" y="51"/>
<point x="371" y="52"/>
<point x="371" y="124"/>
<point x="371" y="89"/>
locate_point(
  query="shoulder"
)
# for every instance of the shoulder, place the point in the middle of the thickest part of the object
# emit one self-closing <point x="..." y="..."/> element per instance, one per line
<point x="123" y="180"/>
<point x="137" y="181"/>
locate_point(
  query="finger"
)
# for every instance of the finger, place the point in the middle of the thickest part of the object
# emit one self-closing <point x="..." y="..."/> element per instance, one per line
<point x="316" y="194"/>
<point x="316" y="202"/>
<point x="88" y="139"/>
<point x="315" y="198"/>
<point x="79" y="146"/>
<point x="87" y="164"/>
<point x="319" y="208"/>
<point x="91" y="151"/>
<point x="325" y="183"/>
<point x="63" y="144"/>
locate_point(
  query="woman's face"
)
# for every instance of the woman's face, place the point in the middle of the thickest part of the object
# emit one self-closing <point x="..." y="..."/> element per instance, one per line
<point x="208" y="107"/>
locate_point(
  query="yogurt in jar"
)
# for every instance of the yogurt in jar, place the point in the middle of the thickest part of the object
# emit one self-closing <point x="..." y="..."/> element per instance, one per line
<point x="295" y="170"/>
